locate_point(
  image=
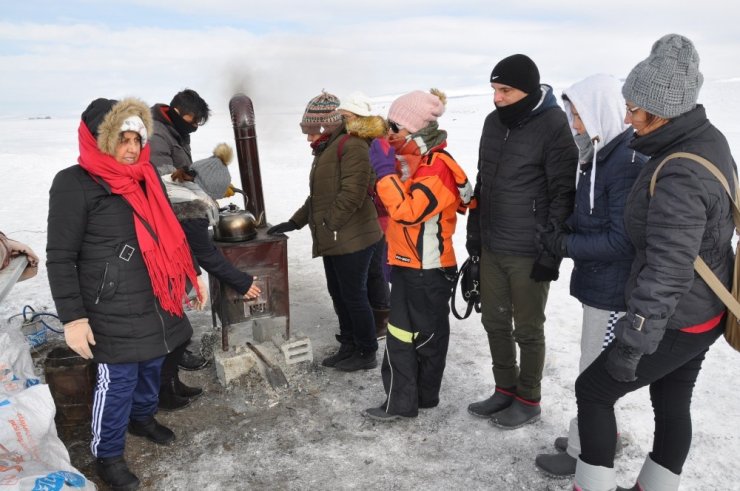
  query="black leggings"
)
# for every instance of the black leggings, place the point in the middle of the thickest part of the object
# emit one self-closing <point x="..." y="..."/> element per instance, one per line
<point x="671" y="373"/>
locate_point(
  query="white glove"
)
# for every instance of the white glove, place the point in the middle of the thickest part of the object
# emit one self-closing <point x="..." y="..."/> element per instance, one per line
<point x="202" y="300"/>
<point x="79" y="336"/>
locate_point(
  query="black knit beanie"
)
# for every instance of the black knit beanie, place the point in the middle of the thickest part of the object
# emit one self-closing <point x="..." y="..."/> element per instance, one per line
<point x="518" y="71"/>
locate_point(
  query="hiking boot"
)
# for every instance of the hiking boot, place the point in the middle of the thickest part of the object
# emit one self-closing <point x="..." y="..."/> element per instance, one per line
<point x="183" y="390"/>
<point x="192" y="361"/>
<point x="500" y="400"/>
<point x="345" y="351"/>
<point x="380" y="414"/>
<point x="556" y="465"/>
<point x="561" y="444"/>
<point x="518" y="414"/>
<point x="169" y="400"/>
<point x="114" y="472"/>
<point x="152" y="431"/>
<point x="360" y="360"/>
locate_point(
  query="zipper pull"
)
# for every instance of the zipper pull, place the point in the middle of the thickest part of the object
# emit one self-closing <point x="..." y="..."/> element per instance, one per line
<point x="335" y="236"/>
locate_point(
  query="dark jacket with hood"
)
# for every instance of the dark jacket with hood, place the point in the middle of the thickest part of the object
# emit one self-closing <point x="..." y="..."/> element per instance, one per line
<point x="601" y="251"/>
<point x="170" y="149"/>
<point x="339" y="210"/>
<point x="525" y="178"/>
<point x="94" y="261"/>
<point x="689" y="214"/>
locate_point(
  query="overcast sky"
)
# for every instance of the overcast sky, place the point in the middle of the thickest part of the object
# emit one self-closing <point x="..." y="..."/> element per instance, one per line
<point x="56" y="56"/>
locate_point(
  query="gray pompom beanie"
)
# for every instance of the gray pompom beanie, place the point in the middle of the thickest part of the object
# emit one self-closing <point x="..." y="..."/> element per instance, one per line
<point x="667" y="82"/>
<point x="212" y="175"/>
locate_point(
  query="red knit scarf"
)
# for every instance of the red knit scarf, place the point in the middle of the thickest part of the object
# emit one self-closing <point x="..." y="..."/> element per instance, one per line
<point x="165" y="249"/>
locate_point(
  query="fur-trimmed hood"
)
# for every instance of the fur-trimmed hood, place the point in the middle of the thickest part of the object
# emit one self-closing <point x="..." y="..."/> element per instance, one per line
<point x="367" y="127"/>
<point x="104" y="118"/>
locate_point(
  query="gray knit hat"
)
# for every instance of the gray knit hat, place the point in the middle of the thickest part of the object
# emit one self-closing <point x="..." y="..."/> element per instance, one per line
<point x="212" y="175"/>
<point x="667" y="82"/>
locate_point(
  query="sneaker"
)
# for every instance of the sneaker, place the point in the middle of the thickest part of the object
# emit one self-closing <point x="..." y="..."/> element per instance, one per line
<point x="115" y="473"/>
<point x="345" y="351"/>
<point x="556" y="465"/>
<point x="500" y="400"/>
<point x="360" y="360"/>
<point x="518" y="414"/>
<point x="152" y="431"/>
<point x="192" y="361"/>
<point x="380" y="414"/>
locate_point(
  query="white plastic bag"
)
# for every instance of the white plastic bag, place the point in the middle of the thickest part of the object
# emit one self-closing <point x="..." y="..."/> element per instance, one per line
<point x="32" y="457"/>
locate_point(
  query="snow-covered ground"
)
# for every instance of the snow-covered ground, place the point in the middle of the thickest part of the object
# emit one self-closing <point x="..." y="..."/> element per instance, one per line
<point x="316" y="438"/>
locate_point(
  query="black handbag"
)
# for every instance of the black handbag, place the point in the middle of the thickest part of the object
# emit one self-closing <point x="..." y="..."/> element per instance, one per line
<point x="468" y="279"/>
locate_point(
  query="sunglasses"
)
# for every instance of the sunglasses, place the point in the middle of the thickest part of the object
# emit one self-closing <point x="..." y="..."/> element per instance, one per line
<point x="395" y="127"/>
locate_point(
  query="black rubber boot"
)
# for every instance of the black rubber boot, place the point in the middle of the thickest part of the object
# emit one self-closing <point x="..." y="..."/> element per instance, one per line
<point x="168" y="398"/>
<point x="556" y="465"/>
<point x="500" y="400"/>
<point x="183" y="390"/>
<point x="518" y="414"/>
<point x="152" y="431"/>
<point x="360" y="360"/>
<point x="192" y="361"/>
<point x="114" y="472"/>
<point x="345" y="351"/>
<point x="561" y="443"/>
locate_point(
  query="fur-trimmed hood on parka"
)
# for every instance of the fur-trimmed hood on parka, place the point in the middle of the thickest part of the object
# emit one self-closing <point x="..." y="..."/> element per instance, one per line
<point x="367" y="127"/>
<point x="104" y="118"/>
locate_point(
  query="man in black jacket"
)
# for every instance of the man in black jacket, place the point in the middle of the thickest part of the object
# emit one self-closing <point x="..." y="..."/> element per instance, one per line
<point x="170" y="146"/>
<point x="526" y="173"/>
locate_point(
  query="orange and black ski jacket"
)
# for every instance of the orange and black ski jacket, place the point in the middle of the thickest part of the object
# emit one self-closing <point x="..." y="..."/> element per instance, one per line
<point x="423" y="210"/>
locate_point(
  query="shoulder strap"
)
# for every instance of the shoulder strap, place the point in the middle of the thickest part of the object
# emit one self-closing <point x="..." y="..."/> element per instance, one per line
<point x="700" y="266"/>
<point x="340" y="145"/>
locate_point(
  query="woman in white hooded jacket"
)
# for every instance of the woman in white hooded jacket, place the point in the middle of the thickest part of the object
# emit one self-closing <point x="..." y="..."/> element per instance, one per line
<point x="594" y="235"/>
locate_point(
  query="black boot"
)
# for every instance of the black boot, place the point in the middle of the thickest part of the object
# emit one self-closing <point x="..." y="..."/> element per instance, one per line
<point x="381" y="322"/>
<point x="183" y="390"/>
<point x="152" y="431"/>
<point x="192" y="361"/>
<point x="520" y="413"/>
<point x="360" y="360"/>
<point x="345" y="351"/>
<point x="168" y="398"/>
<point x="114" y="472"/>
<point x="556" y="464"/>
<point x="500" y="400"/>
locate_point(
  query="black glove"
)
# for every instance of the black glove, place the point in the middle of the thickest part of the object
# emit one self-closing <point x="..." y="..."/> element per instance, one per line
<point x="545" y="267"/>
<point x="472" y="245"/>
<point x="281" y="228"/>
<point x="621" y="362"/>
<point x="553" y="239"/>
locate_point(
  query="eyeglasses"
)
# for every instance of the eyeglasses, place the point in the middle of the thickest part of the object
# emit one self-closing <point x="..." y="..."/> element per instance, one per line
<point x="632" y="110"/>
<point x="395" y="127"/>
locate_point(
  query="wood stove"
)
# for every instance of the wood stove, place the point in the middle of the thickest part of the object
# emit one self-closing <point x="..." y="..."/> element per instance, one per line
<point x="265" y="256"/>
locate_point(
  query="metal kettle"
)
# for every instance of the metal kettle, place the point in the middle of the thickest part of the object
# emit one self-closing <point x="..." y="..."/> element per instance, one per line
<point x="235" y="225"/>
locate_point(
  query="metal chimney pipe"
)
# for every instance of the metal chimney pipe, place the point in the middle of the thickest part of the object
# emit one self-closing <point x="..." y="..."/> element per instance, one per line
<point x="242" y="118"/>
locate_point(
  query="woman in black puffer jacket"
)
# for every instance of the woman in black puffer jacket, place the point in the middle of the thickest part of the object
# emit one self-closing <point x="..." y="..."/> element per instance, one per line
<point x="672" y="315"/>
<point x="118" y="264"/>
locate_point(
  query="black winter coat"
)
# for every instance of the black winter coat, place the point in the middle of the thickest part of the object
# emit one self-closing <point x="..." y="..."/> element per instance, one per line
<point x="96" y="270"/>
<point x="689" y="214"/>
<point x="601" y="251"/>
<point x="525" y="177"/>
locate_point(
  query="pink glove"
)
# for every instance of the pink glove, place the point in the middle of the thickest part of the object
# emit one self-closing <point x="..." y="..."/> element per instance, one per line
<point x="79" y="336"/>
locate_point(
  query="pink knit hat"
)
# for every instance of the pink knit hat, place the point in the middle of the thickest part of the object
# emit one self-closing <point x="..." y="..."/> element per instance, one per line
<point x="416" y="109"/>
